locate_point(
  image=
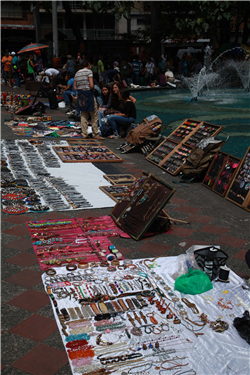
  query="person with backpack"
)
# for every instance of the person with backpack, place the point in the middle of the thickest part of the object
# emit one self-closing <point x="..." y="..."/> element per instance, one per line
<point x="86" y="102"/>
<point x="15" y="69"/>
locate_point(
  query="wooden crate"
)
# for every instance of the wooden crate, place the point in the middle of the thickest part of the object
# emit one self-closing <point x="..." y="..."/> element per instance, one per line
<point x="115" y="192"/>
<point x="86" y="156"/>
<point x="182" y="137"/>
<point x="117" y="179"/>
<point x="221" y="172"/>
<point x="239" y="189"/>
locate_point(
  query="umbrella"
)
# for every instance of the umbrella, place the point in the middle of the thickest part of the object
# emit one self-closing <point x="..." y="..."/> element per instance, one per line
<point x="32" y="47"/>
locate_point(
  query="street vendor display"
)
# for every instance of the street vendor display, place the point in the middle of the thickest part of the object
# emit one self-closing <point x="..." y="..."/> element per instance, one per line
<point x="172" y="153"/>
<point x="128" y="318"/>
<point x="33" y="178"/>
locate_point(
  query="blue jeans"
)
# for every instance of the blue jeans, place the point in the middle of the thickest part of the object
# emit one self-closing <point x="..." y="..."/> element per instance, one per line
<point x="16" y="79"/>
<point x="67" y="96"/>
<point x="136" y="78"/>
<point x="100" y="116"/>
<point x="119" y="121"/>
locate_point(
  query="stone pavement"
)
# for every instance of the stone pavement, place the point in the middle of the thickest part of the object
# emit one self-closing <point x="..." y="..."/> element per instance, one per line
<point x="31" y="343"/>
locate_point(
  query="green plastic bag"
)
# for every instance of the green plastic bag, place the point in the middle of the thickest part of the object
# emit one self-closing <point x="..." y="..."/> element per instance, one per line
<point x="194" y="282"/>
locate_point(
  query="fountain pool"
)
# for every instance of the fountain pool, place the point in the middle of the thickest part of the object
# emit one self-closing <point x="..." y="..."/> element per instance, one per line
<point x="229" y="108"/>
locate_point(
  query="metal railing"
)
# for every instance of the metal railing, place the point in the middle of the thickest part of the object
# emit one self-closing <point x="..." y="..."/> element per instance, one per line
<point x="91" y="34"/>
<point x="13" y="14"/>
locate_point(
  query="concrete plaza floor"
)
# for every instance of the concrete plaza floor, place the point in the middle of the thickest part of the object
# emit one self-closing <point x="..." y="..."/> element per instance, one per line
<point x="31" y="343"/>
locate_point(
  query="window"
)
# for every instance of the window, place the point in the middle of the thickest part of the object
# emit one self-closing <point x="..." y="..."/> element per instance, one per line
<point x="78" y="20"/>
<point x="100" y="21"/>
<point x="141" y="21"/>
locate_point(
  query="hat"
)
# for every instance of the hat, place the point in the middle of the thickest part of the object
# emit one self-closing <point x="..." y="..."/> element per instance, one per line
<point x="115" y="64"/>
<point x="13" y="53"/>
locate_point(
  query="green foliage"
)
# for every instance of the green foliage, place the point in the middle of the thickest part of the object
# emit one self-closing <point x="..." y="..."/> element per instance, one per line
<point x="116" y="8"/>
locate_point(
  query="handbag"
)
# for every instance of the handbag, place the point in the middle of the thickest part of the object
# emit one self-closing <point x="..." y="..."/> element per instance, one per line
<point x="210" y="259"/>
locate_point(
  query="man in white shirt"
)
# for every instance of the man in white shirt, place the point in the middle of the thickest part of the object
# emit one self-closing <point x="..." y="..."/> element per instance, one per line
<point x="150" y="67"/>
<point x="169" y="76"/>
<point x="53" y="75"/>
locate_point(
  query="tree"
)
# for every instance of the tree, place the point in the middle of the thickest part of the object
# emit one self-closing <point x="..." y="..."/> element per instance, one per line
<point x="116" y="8"/>
<point x="72" y="21"/>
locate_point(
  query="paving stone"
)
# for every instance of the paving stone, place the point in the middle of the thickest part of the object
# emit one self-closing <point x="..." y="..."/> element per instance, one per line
<point x="187" y="209"/>
<point x="20" y="244"/>
<point x="36" y="328"/>
<point x="18" y="219"/>
<point x="200" y="218"/>
<point x="9" y="270"/>
<point x="26" y="277"/>
<point x="23" y="259"/>
<point x="42" y="360"/>
<point x="214" y="229"/>
<point x="14" y="347"/>
<point x="11" y="316"/>
<point x="30" y="300"/>
<point x="10" y="291"/>
<point x="17" y="230"/>
<point x="240" y="254"/>
<point x="231" y="241"/>
<point x="154" y="249"/>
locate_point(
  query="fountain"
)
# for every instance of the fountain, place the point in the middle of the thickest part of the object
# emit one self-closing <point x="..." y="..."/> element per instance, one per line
<point x="208" y="78"/>
<point x="243" y="70"/>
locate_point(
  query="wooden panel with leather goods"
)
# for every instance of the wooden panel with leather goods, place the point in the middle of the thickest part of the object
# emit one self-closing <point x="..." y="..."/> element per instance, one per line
<point x="140" y="206"/>
<point x="86" y="154"/>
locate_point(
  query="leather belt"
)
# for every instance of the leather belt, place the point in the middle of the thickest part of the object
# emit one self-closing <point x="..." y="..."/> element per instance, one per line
<point x="95" y="309"/>
<point x="116" y="306"/>
<point x="130" y="304"/>
<point x="109" y="307"/>
<point x="122" y="304"/>
<point x="103" y="307"/>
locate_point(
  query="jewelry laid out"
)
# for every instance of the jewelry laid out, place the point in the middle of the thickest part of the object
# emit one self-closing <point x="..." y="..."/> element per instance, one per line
<point x="76" y="241"/>
<point x="27" y="164"/>
<point x="128" y="321"/>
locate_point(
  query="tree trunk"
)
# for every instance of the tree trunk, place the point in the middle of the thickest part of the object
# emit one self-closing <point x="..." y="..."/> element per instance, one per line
<point x="155" y="29"/>
<point x="245" y="34"/>
<point x="72" y="21"/>
<point x="224" y="31"/>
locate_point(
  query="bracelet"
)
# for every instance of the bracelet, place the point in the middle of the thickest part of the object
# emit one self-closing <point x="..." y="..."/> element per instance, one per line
<point x="71" y="267"/>
<point x="83" y="265"/>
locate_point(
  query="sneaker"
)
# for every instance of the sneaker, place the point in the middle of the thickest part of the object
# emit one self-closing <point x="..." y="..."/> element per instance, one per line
<point x="15" y="87"/>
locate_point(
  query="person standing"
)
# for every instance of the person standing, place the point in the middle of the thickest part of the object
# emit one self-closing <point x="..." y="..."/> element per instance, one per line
<point x="70" y="66"/>
<point x="136" y="65"/>
<point x="150" y="67"/>
<point x="31" y="67"/>
<point x="86" y="102"/>
<point x="100" y="69"/>
<point x="7" y="60"/>
<point x="15" y="69"/>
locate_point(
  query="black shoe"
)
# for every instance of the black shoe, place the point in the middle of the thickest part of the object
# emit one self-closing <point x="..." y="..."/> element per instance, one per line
<point x="75" y="117"/>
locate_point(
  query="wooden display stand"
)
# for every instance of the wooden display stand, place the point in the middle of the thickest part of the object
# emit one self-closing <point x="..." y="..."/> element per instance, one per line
<point x="115" y="192"/>
<point x="173" y="151"/>
<point x="116" y="179"/>
<point x="221" y="172"/>
<point x="239" y="189"/>
<point x="84" y="142"/>
<point x="82" y="153"/>
<point x="139" y="208"/>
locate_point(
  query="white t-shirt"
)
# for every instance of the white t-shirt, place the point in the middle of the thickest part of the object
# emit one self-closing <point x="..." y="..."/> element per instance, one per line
<point x="82" y="79"/>
<point x="150" y="67"/>
<point x="169" y="74"/>
<point x="51" y="72"/>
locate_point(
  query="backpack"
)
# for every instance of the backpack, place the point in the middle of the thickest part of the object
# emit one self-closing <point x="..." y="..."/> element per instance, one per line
<point x="149" y="128"/>
<point x="200" y="157"/>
